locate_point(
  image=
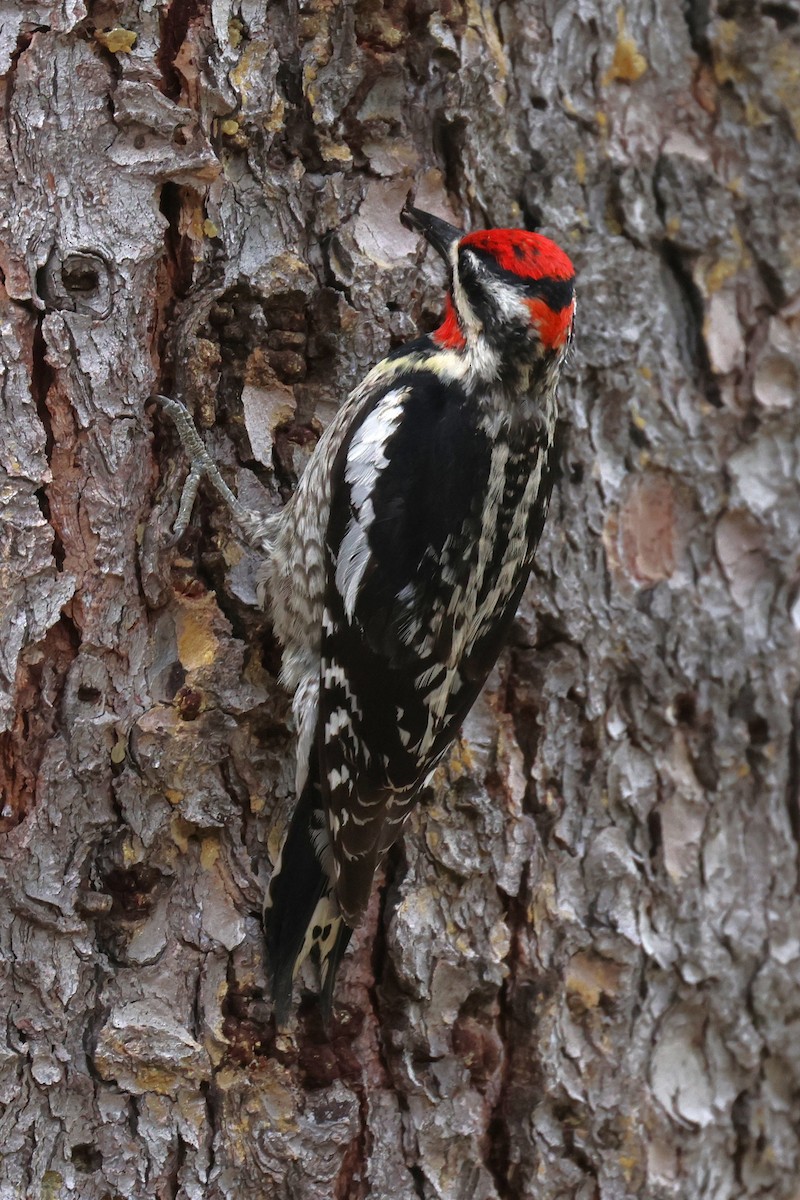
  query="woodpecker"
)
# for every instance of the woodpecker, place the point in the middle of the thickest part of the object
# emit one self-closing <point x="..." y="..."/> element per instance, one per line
<point x="398" y="565"/>
<point x="396" y="568"/>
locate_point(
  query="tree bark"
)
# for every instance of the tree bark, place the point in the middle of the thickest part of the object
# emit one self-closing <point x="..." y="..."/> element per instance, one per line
<point x="579" y="976"/>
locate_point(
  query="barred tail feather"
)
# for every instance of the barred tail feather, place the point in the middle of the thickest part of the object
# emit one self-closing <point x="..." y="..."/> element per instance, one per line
<point x="300" y="912"/>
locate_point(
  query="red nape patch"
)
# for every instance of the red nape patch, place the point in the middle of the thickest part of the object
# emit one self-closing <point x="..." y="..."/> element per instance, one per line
<point x="553" y="326"/>
<point x="527" y="254"/>
<point x="449" y="332"/>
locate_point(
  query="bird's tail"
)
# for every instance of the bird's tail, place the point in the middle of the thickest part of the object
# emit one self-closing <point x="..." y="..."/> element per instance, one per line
<point x="300" y="911"/>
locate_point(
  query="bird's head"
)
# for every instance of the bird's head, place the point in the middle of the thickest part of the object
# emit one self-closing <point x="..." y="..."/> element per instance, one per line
<point x="510" y="287"/>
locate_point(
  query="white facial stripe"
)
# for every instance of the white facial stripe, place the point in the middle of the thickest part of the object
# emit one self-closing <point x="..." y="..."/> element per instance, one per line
<point x="463" y="307"/>
<point x="508" y="300"/>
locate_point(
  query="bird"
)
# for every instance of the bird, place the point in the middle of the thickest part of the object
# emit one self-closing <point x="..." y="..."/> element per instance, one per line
<point x="395" y="570"/>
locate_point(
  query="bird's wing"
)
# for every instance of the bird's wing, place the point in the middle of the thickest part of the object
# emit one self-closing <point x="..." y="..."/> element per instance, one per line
<point x="417" y="604"/>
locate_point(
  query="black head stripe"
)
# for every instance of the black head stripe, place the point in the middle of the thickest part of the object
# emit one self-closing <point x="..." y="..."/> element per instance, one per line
<point x="557" y="293"/>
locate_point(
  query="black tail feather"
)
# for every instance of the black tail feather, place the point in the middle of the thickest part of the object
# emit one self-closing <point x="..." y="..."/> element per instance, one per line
<point x="294" y="891"/>
<point x="330" y="968"/>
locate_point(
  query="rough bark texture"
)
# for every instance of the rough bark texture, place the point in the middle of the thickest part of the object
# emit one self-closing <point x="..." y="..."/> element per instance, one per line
<point x="580" y="977"/>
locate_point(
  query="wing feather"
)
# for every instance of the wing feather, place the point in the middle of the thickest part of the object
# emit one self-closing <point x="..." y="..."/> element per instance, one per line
<point x="429" y="549"/>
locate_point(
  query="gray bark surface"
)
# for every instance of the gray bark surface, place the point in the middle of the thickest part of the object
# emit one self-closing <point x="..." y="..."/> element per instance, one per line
<point x="579" y="978"/>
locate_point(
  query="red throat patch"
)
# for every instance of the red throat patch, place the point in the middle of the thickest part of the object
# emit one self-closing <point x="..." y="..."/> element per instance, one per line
<point x="449" y="334"/>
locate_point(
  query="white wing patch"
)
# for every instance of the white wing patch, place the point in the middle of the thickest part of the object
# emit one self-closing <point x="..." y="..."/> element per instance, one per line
<point x="353" y="558"/>
<point x="366" y="459"/>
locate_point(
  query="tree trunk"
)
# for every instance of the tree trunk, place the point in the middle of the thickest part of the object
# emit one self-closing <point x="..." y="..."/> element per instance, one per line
<point x="579" y="977"/>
